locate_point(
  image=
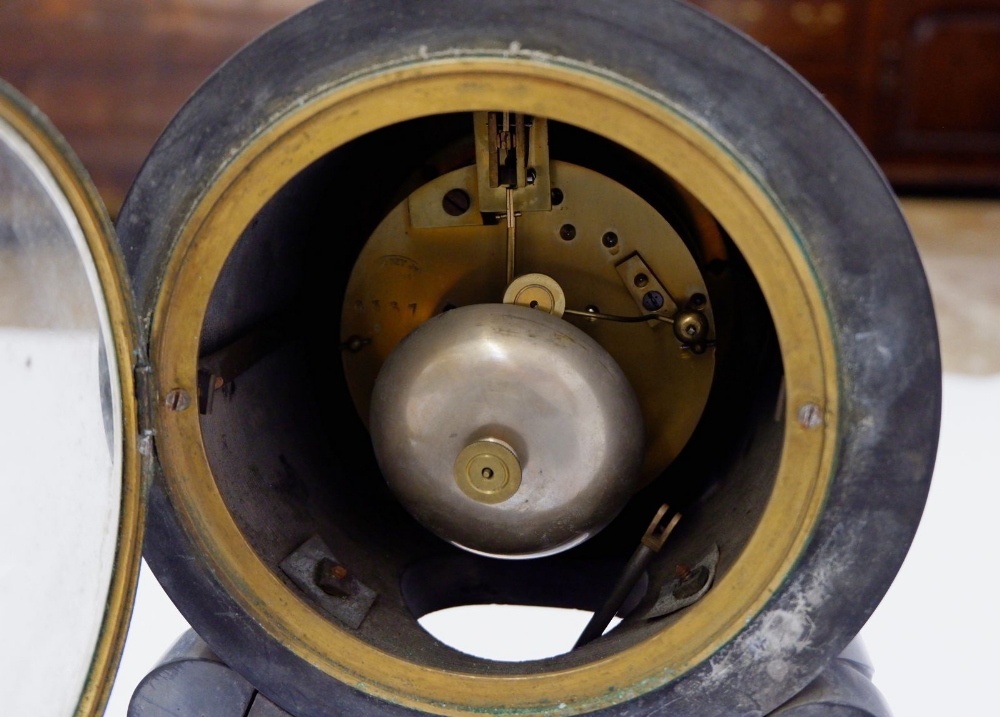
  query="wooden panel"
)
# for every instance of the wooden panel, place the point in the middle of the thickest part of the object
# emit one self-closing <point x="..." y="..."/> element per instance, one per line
<point x="111" y="73"/>
<point x="919" y="80"/>
<point x="950" y="84"/>
<point x="937" y="100"/>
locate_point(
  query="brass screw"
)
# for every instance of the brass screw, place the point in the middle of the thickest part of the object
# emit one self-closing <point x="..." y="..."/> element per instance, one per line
<point x="178" y="400"/>
<point x="456" y="202"/>
<point x="810" y="416"/>
<point x="652" y="300"/>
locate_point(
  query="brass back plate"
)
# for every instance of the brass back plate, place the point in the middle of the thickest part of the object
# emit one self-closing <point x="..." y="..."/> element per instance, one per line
<point x="407" y="274"/>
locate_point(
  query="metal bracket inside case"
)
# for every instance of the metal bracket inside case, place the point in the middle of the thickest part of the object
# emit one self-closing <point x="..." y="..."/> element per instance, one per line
<point x="687" y="589"/>
<point x="317" y="573"/>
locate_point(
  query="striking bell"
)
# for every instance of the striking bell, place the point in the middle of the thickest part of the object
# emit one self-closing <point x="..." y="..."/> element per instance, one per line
<point x="507" y="431"/>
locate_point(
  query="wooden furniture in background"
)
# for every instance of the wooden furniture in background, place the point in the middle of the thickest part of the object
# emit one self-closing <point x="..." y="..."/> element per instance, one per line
<point x="936" y="114"/>
<point x="111" y="73"/>
<point x="823" y="40"/>
<point x="919" y="80"/>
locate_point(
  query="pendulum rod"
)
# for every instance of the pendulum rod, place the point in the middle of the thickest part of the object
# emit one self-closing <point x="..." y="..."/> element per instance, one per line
<point x="511" y="234"/>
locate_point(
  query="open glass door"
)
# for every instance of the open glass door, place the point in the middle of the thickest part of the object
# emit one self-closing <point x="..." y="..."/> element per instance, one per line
<point x="70" y="518"/>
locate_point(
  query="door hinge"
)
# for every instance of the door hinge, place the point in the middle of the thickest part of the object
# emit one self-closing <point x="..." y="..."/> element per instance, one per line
<point x="144" y="391"/>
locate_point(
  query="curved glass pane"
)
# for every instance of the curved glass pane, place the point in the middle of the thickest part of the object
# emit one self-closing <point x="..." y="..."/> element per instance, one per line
<point x="60" y="442"/>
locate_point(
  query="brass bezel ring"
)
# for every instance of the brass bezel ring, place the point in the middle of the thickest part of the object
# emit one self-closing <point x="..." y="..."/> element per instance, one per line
<point x="631" y="117"/>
